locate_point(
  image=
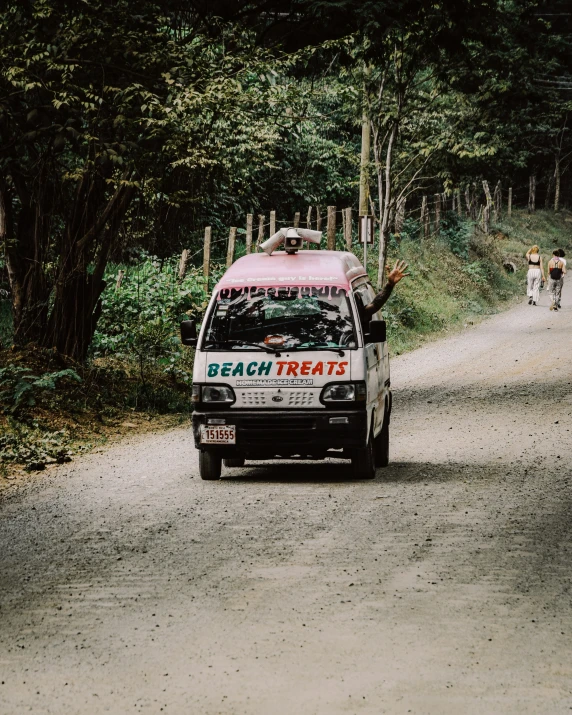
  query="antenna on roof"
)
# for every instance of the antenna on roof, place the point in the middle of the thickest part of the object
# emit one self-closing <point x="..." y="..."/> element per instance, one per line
<point x="291" y="238"/>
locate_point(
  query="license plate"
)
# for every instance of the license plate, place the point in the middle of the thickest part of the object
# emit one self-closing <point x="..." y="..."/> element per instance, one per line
<point x="218" y="434"/>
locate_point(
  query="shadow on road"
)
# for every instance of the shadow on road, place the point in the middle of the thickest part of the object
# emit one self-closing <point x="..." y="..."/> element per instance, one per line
<point x="308" y="472"/>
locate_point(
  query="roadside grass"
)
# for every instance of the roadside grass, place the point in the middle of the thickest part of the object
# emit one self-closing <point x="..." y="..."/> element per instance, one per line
<point x="139" y="376"/>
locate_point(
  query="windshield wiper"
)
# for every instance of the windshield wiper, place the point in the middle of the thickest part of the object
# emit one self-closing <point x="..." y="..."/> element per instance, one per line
<point x="223" y="343"/>
<point x="319" y="346"/>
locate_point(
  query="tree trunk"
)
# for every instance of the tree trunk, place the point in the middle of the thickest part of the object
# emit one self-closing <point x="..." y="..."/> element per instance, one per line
<point x="400" y="217"/>
<point x="331" y="230"/>
<point x="249" y="218"/>
<point x="76" y="305"/>
<point x="423" y="218"/>
<point x="387" y="205"/>
<point x="557" y="184"/>
<point x="532" y="194"/>
<point x="348" y="228"/>
<point x="548" y="193"/>
<point x="497" y="202"/>
<point x="24" y="252"/>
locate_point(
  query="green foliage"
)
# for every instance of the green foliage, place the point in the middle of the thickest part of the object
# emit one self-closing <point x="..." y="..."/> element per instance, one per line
<point x="143" y="315"/>
<point x="6" y="323"/>
<point x="34" y="446"/>
<point x="456" y="231"/>
<point x="19" y="387"/>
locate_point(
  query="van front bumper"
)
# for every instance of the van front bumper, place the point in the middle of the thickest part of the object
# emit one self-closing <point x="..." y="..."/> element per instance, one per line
<point x="263" y="434"/>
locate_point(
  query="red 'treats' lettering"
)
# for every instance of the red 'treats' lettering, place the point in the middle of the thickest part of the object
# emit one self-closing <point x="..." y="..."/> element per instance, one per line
<point x="293" y="368"/>
<point x="305" y="367"/>
<point x="341" y="368"/>
<point x="318" y="369"/>
<point x="331" y="368"/>
<point x="281" y="364"/>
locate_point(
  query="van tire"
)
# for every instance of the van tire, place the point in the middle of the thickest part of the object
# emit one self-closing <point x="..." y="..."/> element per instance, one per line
<point x="381" y="445"/>
<point x="363" y="463"/>
<point x="234" y="462"/>
<point x="210" y="465"/>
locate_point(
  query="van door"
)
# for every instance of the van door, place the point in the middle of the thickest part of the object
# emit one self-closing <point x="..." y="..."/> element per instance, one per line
<point x="374" y="354"/>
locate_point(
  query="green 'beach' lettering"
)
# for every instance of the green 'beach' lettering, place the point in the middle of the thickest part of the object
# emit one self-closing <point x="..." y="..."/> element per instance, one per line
<point x="213" y="369"/>
<point x="251" y="368"/>
<point x="225" y="370"/>
<point x="238" y="370"/>
<point x="264" y="368"/>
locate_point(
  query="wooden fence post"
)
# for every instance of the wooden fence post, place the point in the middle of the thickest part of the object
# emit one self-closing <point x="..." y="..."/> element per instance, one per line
<point x="468" y="199"/>
<point x="486" y="218"/>
<point x="122" y="273"/>
<point x="272" y="223"/>
<point x="497" y="202"/>
<point x="207" y="253"/>
<point x="231" y="244"/>
<point x="509" y="208"/>
<point x="532" y="194"/>
<point x="260" y="231"/>
<point x="459" y="204"/>
<point x="423" y="218"/>
<point x="297" y="219"/>
<point x="183" y="264"/>
<point x="331" y="228"/>
<point x="437" y="198"/>
<point x="487" y="192"/>
<point x="348" y="228"/>
<point x="318" y="219"/>
<point x="309" y="218"/>
<point x="249" y="219"/>
<point x="453" y="206"/>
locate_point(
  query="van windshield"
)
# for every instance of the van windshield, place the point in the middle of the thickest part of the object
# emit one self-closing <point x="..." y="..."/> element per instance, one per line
<point x="281" y="318"/>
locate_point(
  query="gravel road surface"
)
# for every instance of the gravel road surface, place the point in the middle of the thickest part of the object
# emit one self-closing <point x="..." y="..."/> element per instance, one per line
<point x="443" y="586"/>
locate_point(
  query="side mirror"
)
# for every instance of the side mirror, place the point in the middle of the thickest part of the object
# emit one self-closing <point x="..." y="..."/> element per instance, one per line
<point x="377" y="331"/>
<point x="189" y="333"/>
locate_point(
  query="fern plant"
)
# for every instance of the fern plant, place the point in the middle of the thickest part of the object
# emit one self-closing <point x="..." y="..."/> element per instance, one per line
<point x="19" y="387"/>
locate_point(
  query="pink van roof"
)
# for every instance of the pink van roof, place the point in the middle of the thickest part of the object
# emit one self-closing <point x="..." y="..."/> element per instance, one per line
<point x="305" y="268"/>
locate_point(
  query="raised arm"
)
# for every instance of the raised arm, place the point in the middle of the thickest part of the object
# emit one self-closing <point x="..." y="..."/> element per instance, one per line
<point x="393" y="277"/>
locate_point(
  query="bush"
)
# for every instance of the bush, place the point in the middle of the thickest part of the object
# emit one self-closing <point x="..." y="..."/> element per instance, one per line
<point x="147" y="307"/>
<point x="456" y="231"/>
<point x="19" y="387"/>
<point x="6" y="327"/>
<point x="33" y="446"/>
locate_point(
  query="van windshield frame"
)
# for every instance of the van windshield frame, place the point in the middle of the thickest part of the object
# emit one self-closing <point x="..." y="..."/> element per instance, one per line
<point x="285" y="318"/>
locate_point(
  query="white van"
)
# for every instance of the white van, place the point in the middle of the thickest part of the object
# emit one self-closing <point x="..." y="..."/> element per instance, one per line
<point x="285" y="368"/>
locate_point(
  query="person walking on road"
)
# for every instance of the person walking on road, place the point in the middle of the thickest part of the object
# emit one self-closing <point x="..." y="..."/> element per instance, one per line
<point x="535" y="274"/>
<point x="563" y="259"/>
<point x="556" y="271"/>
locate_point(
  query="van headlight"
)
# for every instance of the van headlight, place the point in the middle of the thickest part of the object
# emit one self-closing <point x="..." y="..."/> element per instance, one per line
<point x="213" y="394"/>
<point x="343" y="393"/>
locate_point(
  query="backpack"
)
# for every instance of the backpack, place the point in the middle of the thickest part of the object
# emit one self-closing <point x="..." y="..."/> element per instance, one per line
<point x="556" y="271"/>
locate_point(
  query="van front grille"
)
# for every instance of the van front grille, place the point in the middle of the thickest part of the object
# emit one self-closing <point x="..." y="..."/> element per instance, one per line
<point x="267" y="429"/>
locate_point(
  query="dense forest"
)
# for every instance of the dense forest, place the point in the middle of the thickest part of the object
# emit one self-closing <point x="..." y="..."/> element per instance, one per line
<point x="127" y="127"/>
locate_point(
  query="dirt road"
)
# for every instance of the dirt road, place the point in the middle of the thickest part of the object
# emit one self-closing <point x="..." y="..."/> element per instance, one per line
<point x="444" y="586"/>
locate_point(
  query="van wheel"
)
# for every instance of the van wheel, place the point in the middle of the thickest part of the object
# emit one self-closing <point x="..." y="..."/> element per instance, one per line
<point x="381" y="445"/>
<point x="363" y="464"/>
<point x="210" y="465"/>
<point x="234" y="462"/>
